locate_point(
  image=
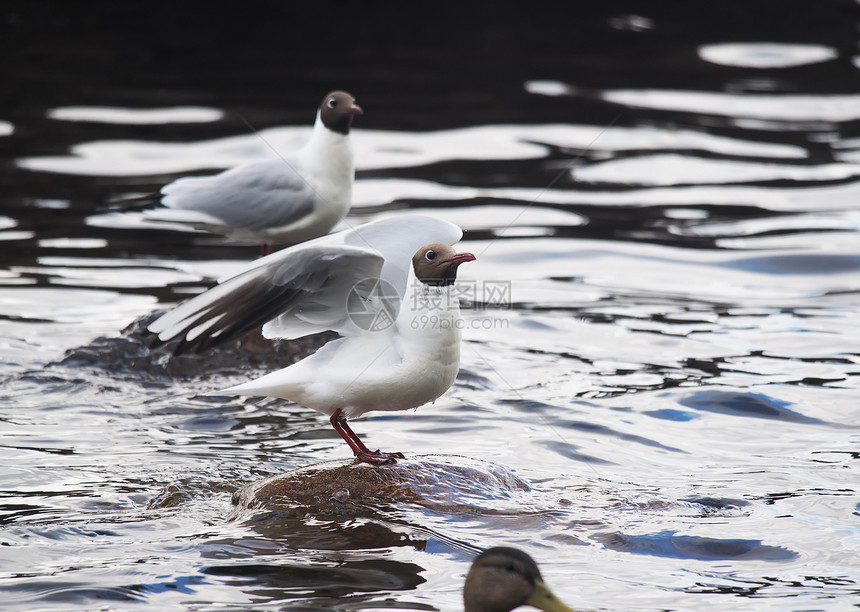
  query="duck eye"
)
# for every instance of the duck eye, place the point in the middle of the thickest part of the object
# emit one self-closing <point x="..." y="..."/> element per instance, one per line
<point x="430" y="255"/>
<point x="332" y="102"/>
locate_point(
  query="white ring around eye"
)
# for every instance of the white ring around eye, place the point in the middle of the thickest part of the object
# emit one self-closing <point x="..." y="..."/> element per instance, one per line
<point x="331" y="103"/>
<point x="430" y="255"/>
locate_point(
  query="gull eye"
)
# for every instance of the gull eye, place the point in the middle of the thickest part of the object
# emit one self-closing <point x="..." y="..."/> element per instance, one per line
<point x="332" y="102"/>
<point x="430" y="255"/>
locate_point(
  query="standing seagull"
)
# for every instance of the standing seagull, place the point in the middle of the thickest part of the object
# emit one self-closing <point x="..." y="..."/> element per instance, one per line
<point x="384" y="286"/>
<point x="280" y="201"/>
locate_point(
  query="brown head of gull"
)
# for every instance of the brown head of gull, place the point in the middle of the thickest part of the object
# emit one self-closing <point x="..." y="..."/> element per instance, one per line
<point x="337" y="110"/>
<point x="436" y="264"/>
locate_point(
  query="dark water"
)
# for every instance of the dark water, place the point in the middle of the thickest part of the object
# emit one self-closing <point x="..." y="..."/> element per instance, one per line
<point x="660" y="376"/>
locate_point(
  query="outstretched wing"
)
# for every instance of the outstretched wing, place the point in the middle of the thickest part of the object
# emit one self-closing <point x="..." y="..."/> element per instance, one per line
<point x="396" y="239"/>
<point x="308" y="288"/>
<point x="250" y="197"/>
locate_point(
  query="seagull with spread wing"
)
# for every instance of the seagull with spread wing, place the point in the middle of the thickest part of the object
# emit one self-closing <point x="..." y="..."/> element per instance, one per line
<point x="385" y="287"/>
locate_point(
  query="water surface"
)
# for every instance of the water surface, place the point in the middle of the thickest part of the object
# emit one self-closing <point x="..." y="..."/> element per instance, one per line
<point x="660" y="369"/>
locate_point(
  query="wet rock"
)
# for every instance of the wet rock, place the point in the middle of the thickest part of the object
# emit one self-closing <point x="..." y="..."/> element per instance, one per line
<point x="448" y="484"/>
<point x="185" y="490"/>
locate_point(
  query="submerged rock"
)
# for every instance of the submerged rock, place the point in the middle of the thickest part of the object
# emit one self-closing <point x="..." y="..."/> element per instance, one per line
<point x="448" y="484"/>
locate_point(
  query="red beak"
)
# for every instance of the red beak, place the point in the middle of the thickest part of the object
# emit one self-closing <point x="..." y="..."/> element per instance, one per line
<point x="460" y="258"/>
<point x="355" y="110"/>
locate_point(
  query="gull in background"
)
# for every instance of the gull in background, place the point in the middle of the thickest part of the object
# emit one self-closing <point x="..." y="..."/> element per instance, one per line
<point x="287" y="200"/>
<point x="385" y="287"/>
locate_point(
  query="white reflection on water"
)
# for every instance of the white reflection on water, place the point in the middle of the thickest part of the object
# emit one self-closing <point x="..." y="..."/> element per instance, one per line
<point x="96" y="310"/>
<point x="527" y="206"/>
<point x="73" y="243"/>
<point x="647" y="269"/>
<point x="766" y="54"/>
<point x="384" y="149"/>
<point x="782" y="107"/>
<point x="136" y="116"/>
<point x="848" y="220"/>
<point x="672" y="169"/>
<point x="6" y="128"/>
<point x="631" y="22"/>
<point x="141" y="273"/>
<point x="499" y="217"/>
<point x="13" y="236"/>
<point x="596" y="342"/>
<point x="848" y="150"/>
<point x="370" y="192"/>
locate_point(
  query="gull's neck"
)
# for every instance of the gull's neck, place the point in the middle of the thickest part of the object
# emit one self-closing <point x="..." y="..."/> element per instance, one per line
<point x="427" y="308"/>
<point x="323" y="139"/>
<point x="437" y="297"/>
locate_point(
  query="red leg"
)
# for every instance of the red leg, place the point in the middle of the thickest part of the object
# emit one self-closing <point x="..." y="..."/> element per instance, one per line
<point x="266" y="249"/>
<point x="338" y="421"/>
<point x="362" y="453"/>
